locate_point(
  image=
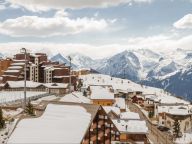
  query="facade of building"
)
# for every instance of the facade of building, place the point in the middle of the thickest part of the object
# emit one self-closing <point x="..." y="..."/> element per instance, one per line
<point x="132" y="131"/>
<point x="100" y="129"/>
<point x="167" y="115"/>
<point x="38" y="69"/>
<point x="4" y="64"/>
<point x="101" y="95"/>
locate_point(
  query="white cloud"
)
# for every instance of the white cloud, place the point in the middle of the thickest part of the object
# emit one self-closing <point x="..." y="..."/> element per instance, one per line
<point x="159" y="43"/>
<point x="44" y="5"/>
<point x="2" y="7"/>
<point x="184" y="23"/>
<point x="57" y="25"/>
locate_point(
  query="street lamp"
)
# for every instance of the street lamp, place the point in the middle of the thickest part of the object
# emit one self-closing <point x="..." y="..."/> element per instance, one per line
<point x="23" y="50"/>
<point x="70" y="74"/>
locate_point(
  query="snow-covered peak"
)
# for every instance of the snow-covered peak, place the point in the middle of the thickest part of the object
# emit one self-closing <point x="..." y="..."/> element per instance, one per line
<point x="82" y="61"/>
<point x="61" y="59"/>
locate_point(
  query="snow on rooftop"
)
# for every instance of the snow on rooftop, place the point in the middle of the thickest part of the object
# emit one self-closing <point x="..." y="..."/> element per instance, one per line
<point x="12" y="71"/>
<point x="120" y="102"/>
<point x="47" y="98"/>
<point x="15" y="67"/>
<point x="129" y="116"/>
<point x="20" y="84"/>
<point x="58" y="124"/>
<point x="99" y="92"/>
<point x="56" y="85"/>
<point x="18" y="64"/>
<point x="127" y="85"/>
<point x="131" y="126"/>
<point x="75" y="97"/>
<point x="179" y="112"/>
<point x="9" y="96"/>
<point x="108" y="109"/>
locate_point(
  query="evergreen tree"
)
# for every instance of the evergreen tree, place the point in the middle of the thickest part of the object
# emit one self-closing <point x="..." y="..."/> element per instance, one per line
<point x="176" y="128"/>
<point x="150" y="114"/>
<point x="29" y="108"/>
<point x="2" y="121"/>
<point x="80" y="84"/>
<point x="84" y="93"/>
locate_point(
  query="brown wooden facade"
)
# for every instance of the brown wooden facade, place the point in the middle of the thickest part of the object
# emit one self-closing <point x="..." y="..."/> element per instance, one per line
<point x="102" y="130"/>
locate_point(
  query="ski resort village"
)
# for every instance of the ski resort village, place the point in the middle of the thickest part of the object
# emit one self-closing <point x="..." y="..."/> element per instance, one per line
<point x="43" y="101"/>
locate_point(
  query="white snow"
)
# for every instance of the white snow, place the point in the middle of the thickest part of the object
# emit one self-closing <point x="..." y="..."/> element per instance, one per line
<point x="126" y="85"/>
<point x="58" y="124"/>
<point x="129" y="116"/>
<point x="47" y="98"/>
<point x="108" y="109"/>
<point x="120" y="102"/>
<point x="175" y="110"/>
<point x="11" y="113"/>
<point x="12" y="96"/>
<point x="56" y="85"/>
<point x="18" y="64"/>
<point x="12" y="71"/>
<point x="131" y="126"/>
<point x="185" y="139"/>
<point x="75" y="97"/>
<point x="20" y="84"/>
<point x="15" y="67"/>
<point x="99" y="92"/>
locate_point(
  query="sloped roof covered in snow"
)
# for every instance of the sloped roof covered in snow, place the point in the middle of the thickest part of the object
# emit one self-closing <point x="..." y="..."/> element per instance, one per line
<point x="120" y="102"/>
<point x="56" y="85"/>
<point x="181" y="110"/>
<point x="114" y="109"/>
<point x="58" y="124"/>
<point x="20" y="84"/>
<point x="75" y="97"/>
<point x="129" y="116"/>
<point x="131" y="126"/>
<point x="99" y="92"/>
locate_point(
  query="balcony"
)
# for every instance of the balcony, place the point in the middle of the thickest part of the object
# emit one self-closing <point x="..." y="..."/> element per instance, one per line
<point x="100" y="123"/>
<point x="93" y="138"/>
<point x="94" y="125"/>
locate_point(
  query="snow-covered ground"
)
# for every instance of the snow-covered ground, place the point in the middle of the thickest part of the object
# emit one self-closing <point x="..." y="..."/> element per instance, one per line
<point x="6" y="132"/>
<point x="11" y="113"/>
<point x="185" y="139"/>
<point x="58" y="124"/>
<point x="12" y="96"/>
<point x="127" y="85"/>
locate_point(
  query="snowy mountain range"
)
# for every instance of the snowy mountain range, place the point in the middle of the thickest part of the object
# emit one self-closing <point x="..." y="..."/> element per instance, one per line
<point x="169" y="70"/>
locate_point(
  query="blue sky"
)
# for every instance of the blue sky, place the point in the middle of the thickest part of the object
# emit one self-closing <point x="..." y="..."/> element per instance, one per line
<point x="96" y="24"/>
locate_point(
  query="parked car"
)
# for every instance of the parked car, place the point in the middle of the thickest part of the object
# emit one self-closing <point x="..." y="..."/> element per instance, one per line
<point x="163" y="129"/>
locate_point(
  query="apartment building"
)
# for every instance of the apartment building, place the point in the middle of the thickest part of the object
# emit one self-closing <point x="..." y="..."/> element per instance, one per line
<point x="59" y="74"/>
<point x="39" y="69"/>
